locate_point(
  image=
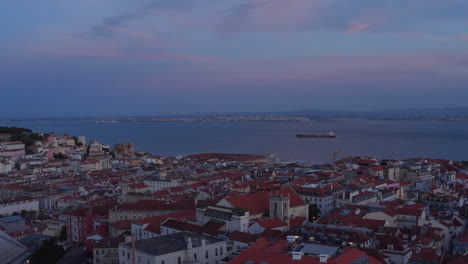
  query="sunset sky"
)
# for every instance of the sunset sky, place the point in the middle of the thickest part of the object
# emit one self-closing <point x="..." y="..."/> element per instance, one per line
<point x="155" y="57"/>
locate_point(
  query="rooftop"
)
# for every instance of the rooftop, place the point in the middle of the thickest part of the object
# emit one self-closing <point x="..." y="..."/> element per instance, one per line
<point x="170" y="243"/>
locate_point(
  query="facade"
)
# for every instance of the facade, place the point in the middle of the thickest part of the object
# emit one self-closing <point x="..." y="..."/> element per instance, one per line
<point x="146" y="208"/>
<point x="8" y="207"/>
<point x="177" y="248"/>
<point x="323" y="196"/>
<point x="158" y="184"/>
<point x="106" y="251"/>
<point x="6" y="165"/>
<point x="365" y="198"/>
<point x="82" y="222"/>
<point x="235" y="219"/>
<point x="259" y="204"/>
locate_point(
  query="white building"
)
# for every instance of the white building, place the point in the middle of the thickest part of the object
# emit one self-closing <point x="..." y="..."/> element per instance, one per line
<point x="8" y="207"/>
<point x="6" y="165"/>
<point x="158" y="184"/>
<point x="178" y="248"/>
<point x="236" y="219"/>
<point x="12" y="145"/>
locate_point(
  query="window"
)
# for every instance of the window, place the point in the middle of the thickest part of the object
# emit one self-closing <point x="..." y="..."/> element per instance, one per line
<point x="139" y="259"/>
<point x="162" y="262"/>
<point x="123" y="253"/>
<point x="216" y="251"/>
<point x="179" y="261"/>
<point x="128" y="255"/>
<point x="195" y="256"/>
<point x="206" y="254"/>
<point x="221" y="250"/>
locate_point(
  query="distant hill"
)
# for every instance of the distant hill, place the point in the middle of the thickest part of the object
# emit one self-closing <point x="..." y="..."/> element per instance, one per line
<point x="455" y="112"/>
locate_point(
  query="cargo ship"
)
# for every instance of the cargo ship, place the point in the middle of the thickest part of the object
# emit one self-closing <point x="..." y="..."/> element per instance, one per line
<point x="330" y="134"/>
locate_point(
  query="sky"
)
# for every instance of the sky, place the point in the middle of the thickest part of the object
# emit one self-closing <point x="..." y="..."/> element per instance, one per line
<point x="71" y="58"/>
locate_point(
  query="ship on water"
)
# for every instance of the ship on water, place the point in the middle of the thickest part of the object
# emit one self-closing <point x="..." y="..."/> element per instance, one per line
<point x="330" y="134"/>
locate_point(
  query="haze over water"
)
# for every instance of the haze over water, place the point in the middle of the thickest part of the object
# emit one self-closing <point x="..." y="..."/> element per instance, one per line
<point x="379" y="138"/>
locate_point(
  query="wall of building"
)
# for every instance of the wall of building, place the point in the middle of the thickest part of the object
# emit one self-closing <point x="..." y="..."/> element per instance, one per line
<point x="10" y="208"/>
<point x="214" y="255"/>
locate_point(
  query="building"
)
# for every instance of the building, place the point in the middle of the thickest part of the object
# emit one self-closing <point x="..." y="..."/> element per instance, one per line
<point x="124" y="150"/>
<point x="161" y="183"/>
<point x="284" y="252"/>
<point x="323" y="196"/>
<point x="460" y="245"/>
<point x="82" y="140"/>
<point x="13" y="223"/>
<point x="10" y="206"/>
<point x="82" y="222"/>
<point x="13" y="149"/>
<point x="236" y="219"/>
<point x="177" y="248"/>
<point x="146" y="208"/>
<point x="106" y="251"/>
<point x="12" y="251"/>
<point x="285" y="203"/>
<point x="6" y="165"/>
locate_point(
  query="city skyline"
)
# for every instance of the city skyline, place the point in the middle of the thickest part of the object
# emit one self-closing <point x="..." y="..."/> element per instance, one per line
<point x="140" y="58"/>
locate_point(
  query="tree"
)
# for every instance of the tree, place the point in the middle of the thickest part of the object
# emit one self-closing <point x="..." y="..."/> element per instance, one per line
<point x="41" y="215"/>
<point x="77" y="143"/>
<point x="60" y="156"/>
<point x="24" y="213"/>
<point x="48" y="252"/>
<point x="314" y="212"/>
<point x="63" y="234"/>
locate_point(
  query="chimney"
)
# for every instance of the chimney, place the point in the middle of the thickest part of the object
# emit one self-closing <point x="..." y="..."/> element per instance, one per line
<point x="203" y="242"/>
<point x="323" y="258"/>
<point x="297" y="255"/>
<point x="189" y="243"/>
<point x="357" y="211"/>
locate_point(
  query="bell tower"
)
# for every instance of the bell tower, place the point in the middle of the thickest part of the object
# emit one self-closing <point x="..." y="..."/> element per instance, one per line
<point x="279" y="206"/>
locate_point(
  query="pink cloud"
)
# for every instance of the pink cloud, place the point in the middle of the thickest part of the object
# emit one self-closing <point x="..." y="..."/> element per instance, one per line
<point x="282" y="12"/>
<point x="270" y="14"/>
<point x="365" y="23"/>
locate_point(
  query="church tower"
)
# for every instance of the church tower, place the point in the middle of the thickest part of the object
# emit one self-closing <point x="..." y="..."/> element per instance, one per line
<point x="279" y="207"/>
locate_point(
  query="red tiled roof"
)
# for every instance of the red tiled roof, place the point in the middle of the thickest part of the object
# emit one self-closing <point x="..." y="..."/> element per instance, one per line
<point x="122" y="224"/>
<point x="271" y="223"/>
<point x="464" y="237"/>
<point x="227" y="157"/>
<point x="384" y="241"/>
<point x="260" y="202"/>
<point x="296" y="222"/>
<point x="242" y="237"/>
<point x="264" y="251"/>
<point x="154" y="205"/>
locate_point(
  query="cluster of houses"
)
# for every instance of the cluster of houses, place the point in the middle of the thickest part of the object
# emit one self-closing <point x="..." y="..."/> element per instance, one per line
<point x="127" y="207"/>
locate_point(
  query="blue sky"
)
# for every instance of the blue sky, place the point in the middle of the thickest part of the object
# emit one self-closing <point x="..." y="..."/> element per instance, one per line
<point x="153" y="57"/>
